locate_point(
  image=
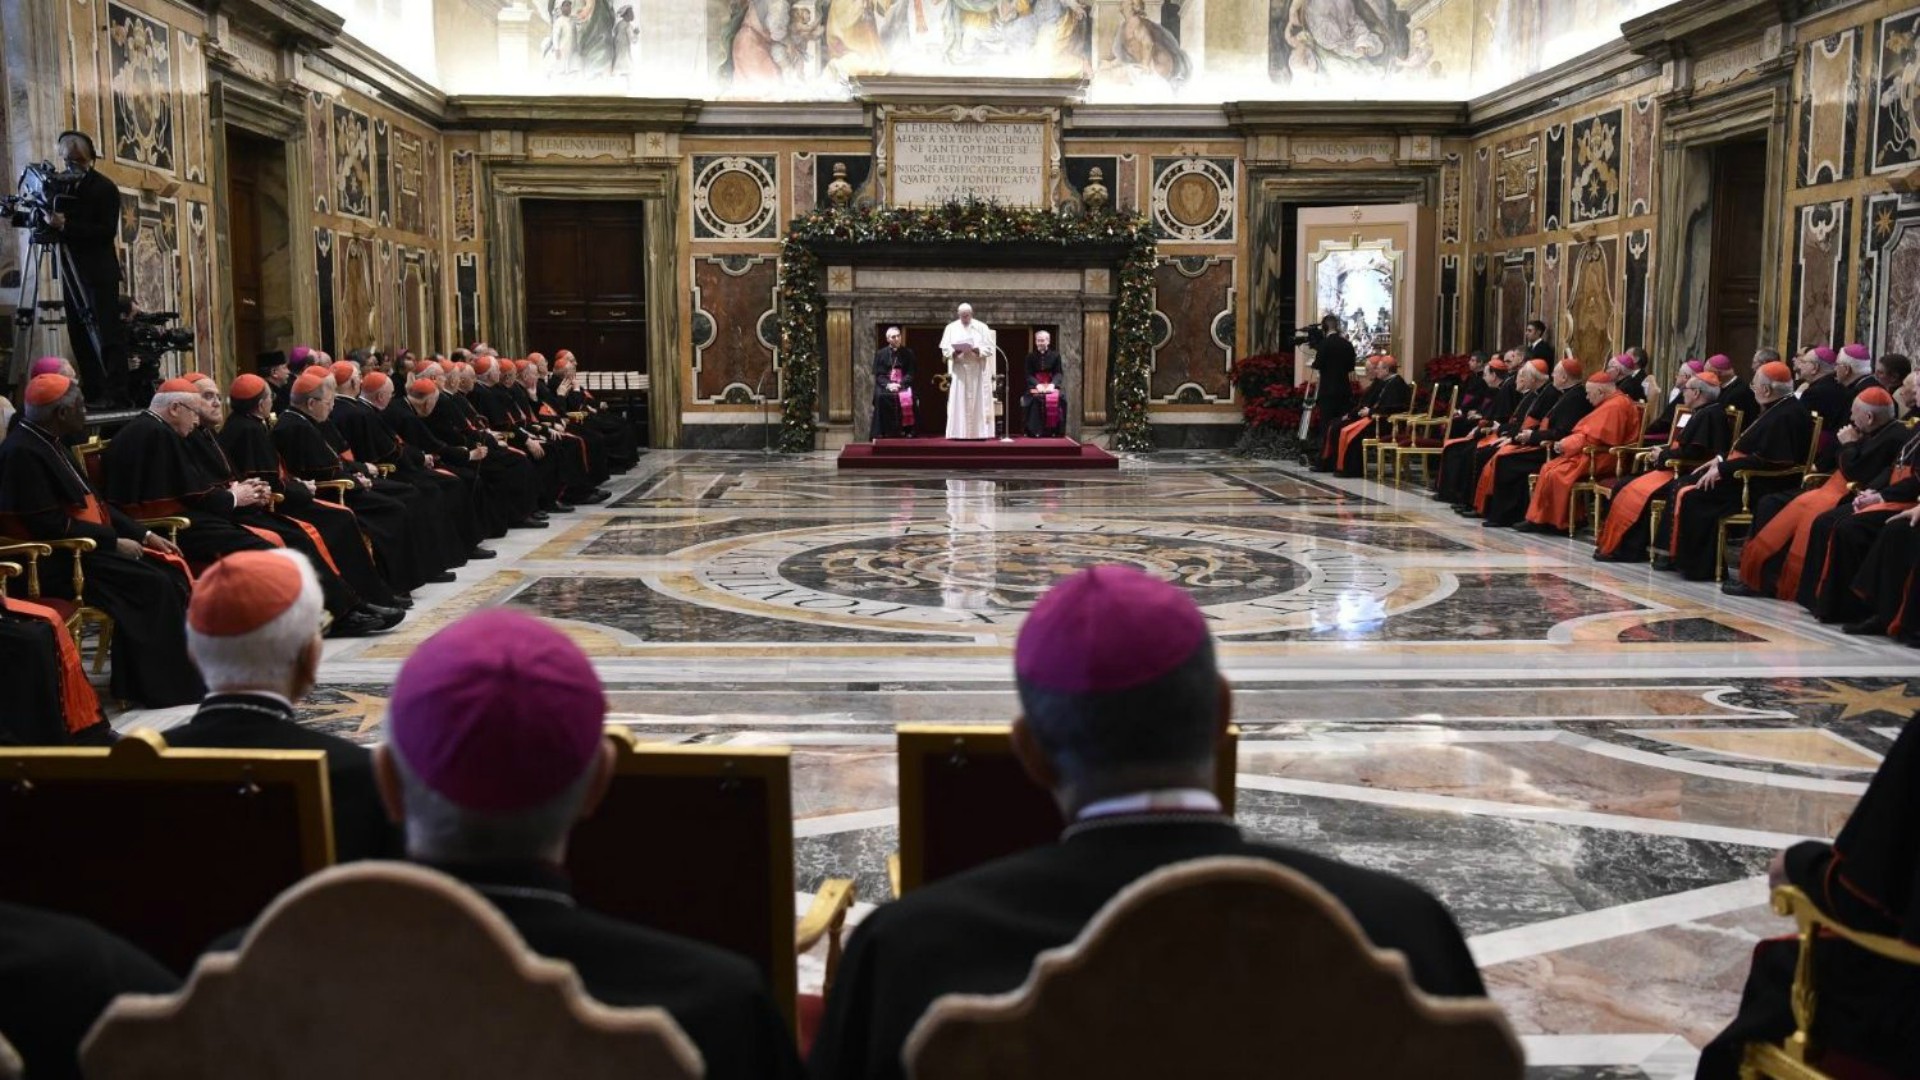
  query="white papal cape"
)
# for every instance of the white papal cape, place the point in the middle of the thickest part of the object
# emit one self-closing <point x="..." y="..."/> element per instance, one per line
<point x="970" y="397"/>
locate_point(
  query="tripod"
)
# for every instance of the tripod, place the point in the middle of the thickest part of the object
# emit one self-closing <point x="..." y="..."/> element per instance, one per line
<point x="26" y="315"/>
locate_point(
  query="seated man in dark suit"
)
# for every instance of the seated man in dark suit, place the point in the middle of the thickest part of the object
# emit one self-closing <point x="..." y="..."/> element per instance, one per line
<point x="253" y="628"/>
<point x="1123" y="708"/>
<point x="492" y="752"/>
<point x="57" y="975"/>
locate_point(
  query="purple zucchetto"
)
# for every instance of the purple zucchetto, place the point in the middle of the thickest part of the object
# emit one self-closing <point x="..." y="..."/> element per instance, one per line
<point x="1696" y="366"/>
<point x="1104" y="629"/>
<point x="496" y="729"/>
<point x="46" y="365"/>
<point x="1857" y="351"/>
<point x="1825" y="355"/>
<point x="1720" y="362"/>
<point x="1627" y="361"/>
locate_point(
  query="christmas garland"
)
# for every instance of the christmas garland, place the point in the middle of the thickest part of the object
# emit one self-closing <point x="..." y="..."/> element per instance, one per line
<point x="803" y="302"/>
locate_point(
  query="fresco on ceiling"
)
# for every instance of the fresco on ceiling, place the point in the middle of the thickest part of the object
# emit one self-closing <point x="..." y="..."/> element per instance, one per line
<point x="1188" y="50"/>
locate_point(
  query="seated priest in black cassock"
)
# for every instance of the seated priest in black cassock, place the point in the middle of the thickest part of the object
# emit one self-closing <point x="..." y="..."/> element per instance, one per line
<point x="253" y="629"/>
<point x="1704" y="433"/>
<point x="1774" y="556"/>
<point x="1774" y="439"/>
<point x="506" y="471"/>
<point x="431" y="521"/>
<point x="893" y="414"/>
<point x="1868" y="879"/>
<point x="1123" y="708"/>
<point x="410" y="426"/>
<point x="134" y="575"/>
<point x="1387" y="395"/>
<point x="494" y="747"/>
<point x="1501" y="492"/>
<point x="58" y="973"/>
<point x="581" y="457"/>
<point x="1046" y="396"/>
<point x="1476" y="394"/>
<point x="1824" y="396"/>
<point x="1842" y="543"/>
<point x="1662" y="425"/>
<point x="387" y="522"/>
<point x="1736" y="393"/>
<point x="247" y="444"/>
<point x="364" y="427"/>
<point x="551" y="405"/>
<point x="1512" y="394"/>
<point x="491" y="405"/>
<point x="623" y="449"/>
<point x="1628" y="376"/>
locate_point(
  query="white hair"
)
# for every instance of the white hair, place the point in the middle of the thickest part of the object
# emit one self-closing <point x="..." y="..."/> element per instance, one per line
<point x="1880" y="413"/>
<point x="266" y="656"/>
<point x="1707" y="391"/>
<point x="968" y="308"/>
<point x="161" y="402"/>
<point x="441" y="830"/>
<point x="892" y="330"/>
<point x="318" y="393"/>
<point x="1780" y="387"/>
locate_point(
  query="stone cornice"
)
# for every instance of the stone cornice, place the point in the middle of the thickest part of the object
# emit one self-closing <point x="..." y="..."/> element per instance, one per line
<point x="782" y="118"/>
<point x="942" y="90"/>
<point x="1384" y="117"/>
<point x="1694" y="26"/>
<point x="1609" y="67"/>
<point x="358" y="66"/>
<point x="575" y="113"/>
<point x="299" y="24"/>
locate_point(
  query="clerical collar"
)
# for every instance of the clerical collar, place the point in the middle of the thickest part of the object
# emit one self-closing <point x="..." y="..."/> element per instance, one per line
<point x="277" y="698"/>
<point x="1163" y="801"/>
<point x="260" y="702"/>
<point x="516" y="879"/>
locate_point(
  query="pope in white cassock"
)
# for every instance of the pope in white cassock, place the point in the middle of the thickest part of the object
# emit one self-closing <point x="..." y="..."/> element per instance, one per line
<point x="968" y="346"/>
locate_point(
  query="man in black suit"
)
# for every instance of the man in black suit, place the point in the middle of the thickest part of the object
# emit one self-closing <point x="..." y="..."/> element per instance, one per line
<point x="57" y="975"/>
<point x="892" y="379"/>
<point x="1538" y="347"/>
<point x="1123" y="708"/>
<point x="492" y="752"/>
<point x="87" y="222"/>
<point x="253" y="628"/>
<point x="1335" y="360"/>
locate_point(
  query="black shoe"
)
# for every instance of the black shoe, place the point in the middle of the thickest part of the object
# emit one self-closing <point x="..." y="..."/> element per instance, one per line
<point x="442" y="578"/>
<point x="1465" y="510"/>
<point x="1491" y="524"/>
<point x="1736" y="587"/>
<point x="390" y="616"/>
<point x="479" y="552"/>
<point x="402" y="602"/>
<point x="597" y="495"/>
<point x="1530" y="527"/>
<point x="557" y="508"/>
<point x="1872" y="624"/>
<point x="357" y="623"/>
<point x="539" y="522"/>
<point x="1662" y="562"/>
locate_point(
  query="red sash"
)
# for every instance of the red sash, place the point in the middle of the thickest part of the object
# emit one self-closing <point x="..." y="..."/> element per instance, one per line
<point x="1052" y="400"/>
<point x="92" y="511"/>
<point x="79" y="705"/>
<point x="906" y="402"/>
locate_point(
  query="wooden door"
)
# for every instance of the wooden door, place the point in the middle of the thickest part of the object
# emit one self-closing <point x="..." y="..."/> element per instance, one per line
<point x="586" y="282"/>
<point x="244" y="153"/>
<point x="1733" y="292"/>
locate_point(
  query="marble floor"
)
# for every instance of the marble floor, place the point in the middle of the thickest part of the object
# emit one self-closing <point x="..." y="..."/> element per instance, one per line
<point x="1590" y="763"/>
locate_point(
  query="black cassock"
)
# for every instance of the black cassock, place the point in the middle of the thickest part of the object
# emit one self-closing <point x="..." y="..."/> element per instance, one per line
<point x="1843" y="542"/>
<point x="1868" y="879"/>
<point x="1776" y="438"/>
<point x="1335" y="360"/>
<point x="58" y="973"/>
<point x="374" y="442"/>
<point x="307" y="454"/>
<point x="887" y="360"/>
<point x="1833" y="404"/>
<point x="553" y="408"/>
<point x="581" y="463"/>
<point x="488" y="503"/>
<point x="1047" y="364"/>
<point x="429" y="525"/>
<point x="44" y="497"/>
<point x="30" y="673"/>
<point x="1859" y="461"/>
<point x="1705" y="436"/>
<point x="1508" y="502"/>
<point x="495" y="409"/>
<point x="243" y="721"/>
<point x="148" y="471"/>
<point x="1460" y="457"/>
<point x="505" y="471"/>
<point x="979" y="931"/>
<point x="623" y="451"/>
<point x="247" y="444"/>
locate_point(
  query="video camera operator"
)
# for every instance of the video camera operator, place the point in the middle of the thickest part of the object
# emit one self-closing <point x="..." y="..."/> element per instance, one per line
<point x="84" y="225"/>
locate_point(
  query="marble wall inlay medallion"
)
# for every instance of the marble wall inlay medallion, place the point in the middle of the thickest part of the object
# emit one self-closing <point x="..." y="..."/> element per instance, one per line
<point x="734" y="198"/>
<point x="1193" y="198"/>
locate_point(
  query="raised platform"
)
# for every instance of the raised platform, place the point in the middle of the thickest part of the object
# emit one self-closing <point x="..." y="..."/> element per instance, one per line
<point x="953" y="454"/>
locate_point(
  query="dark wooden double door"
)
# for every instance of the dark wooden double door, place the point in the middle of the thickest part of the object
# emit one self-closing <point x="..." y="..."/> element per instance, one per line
<point x="929" y="400"/>
<point x="586" y="281"/>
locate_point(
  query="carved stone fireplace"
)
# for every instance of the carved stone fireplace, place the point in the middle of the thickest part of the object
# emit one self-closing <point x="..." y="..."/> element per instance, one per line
<point x="862" y="300"/>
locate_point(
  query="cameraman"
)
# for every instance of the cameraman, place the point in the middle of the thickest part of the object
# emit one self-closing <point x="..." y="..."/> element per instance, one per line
<point x="1335" y="360"/>
<point x="86" y="224"/>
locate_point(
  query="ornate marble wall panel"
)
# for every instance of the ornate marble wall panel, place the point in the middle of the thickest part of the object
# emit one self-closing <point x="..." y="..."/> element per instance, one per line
<point x="323" y="258"/>
<point x="733" y="336"/>
<point x="382" y="171"/>
<point x="1194" y="199"/>
<point x="1896" y="104"/>
<point x="1447" y="316"/>
<point x="1554" y="213"/>
<point x="1481" y="322"/>
<point x="1594" y="194"/>
<point x="356" y="319"/>
<point x="803" y="195"/>
<point x="1821" y="238"/>
<point x="1191" y="356"/>
<point x="1126" y="192"/>
<point x="1516" y="185"/>
<point x="200" y="273"/>
<point x="1829" y="108"/>
<point x="1269" y="316"/>
<point x="406" y="179"/>
<point x="1552" y="288"/>
<point x="353" y="170"/>
<point x="150" y="246"/>
<point x="195" y="122"/>
<point x="466" y="197"/>
<point x="466" y="285"/>
<point x="735" y="197"/>
<point x="1514" y="293"/>
<point x="1482" y="194"/>
<point x="1891" y="274"/>
<point x="1450" y="209"/>
<point x="1636" y="296"/>
<point x="320" y="151"/>
<point x="140" y="64"/>
<point x="1642" y="144"/>
<point x="1593" y="301"/>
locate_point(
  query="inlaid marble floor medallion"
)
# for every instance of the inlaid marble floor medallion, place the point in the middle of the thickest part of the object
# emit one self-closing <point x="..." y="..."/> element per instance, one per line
<point x="1589" y="763"/>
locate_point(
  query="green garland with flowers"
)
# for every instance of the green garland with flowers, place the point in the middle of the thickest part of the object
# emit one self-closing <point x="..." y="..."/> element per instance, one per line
<point x="803" y="302"/>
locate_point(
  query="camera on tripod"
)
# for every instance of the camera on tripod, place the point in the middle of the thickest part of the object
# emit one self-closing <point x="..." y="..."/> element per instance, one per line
<point x="38" y="194"/>
<point x="149" y="336"/>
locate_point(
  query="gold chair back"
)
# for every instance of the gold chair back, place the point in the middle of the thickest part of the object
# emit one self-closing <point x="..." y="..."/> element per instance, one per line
<point x="383" y="971"/>
<point x="169" y="848"/>
<point x="966" y="800"/>
<point x="1216" y="967"/>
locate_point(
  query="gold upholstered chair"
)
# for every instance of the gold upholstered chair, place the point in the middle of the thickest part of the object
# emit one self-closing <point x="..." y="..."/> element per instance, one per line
<point x="1216" y="967"/>
<point x="76" y="613"/>
<point x="698" y="841"/>
<point x="1743" y="517"/>
<point x="966" y="800"/>
<point x="383" y="971"/>
<point x="146" y="841"/>
<point x="1797" y="1058"/>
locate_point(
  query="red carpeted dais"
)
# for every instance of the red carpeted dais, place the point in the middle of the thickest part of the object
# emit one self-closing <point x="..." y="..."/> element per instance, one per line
<point x="961" y="454"/>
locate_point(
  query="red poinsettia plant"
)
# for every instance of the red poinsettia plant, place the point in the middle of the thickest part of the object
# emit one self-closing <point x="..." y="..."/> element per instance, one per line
<point x="1443" y="368"/>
